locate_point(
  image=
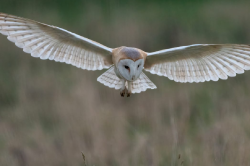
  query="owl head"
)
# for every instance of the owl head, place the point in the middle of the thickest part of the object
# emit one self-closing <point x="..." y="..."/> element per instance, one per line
<point x="129" y="62"/>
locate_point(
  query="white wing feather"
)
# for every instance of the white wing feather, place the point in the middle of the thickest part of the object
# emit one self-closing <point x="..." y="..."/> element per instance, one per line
<point x="141" y="84"/>
<point x="110" y="79"/>
<point x="200" y="62"/>
<point x="53" y="43"/>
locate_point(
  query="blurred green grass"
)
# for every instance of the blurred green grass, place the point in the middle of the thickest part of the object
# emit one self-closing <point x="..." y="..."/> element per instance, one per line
<point x="50" y="112"/>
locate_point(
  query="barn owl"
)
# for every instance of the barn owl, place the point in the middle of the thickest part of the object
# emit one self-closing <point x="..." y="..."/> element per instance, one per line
<point x="193" y="63"/>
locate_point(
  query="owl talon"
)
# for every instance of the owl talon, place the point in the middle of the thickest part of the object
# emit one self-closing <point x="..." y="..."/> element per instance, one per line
<point x="123" y="92"/>
<point x="128" y="94"/>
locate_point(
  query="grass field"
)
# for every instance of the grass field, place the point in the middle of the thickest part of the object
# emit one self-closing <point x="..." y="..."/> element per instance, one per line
<point x="51" y="112"/>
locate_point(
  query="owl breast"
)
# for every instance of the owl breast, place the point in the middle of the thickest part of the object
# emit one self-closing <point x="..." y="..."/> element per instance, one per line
<point x="118" y="73"/>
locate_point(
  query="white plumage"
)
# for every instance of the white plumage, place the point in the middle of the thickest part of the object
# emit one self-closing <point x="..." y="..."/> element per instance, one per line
<point x="110" y="79"/>
<point x="194" y="63"/>
<point x="201" y="62"/>
<point x="53" y="43"/>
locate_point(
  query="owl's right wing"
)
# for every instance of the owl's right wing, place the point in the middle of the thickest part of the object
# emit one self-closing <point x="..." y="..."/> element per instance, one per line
<point x="53" y="43"/>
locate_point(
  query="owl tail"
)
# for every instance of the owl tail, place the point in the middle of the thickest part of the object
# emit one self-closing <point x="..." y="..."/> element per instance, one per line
<point x="110" y="79"/>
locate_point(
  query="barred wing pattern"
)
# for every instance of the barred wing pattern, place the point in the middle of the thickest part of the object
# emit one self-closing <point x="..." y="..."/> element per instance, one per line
<point x="110" y="79"/>
<point x="141" y="84"/>
<point x="200" y="62"/>
<point x="53" y="43"/>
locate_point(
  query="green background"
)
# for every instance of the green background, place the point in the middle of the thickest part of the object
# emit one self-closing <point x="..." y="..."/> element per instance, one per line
<point x="50" y="112"/>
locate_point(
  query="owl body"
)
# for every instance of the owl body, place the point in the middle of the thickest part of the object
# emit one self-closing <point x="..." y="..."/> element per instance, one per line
<point x="129" y="63"/>
<point x="193" y="63"/>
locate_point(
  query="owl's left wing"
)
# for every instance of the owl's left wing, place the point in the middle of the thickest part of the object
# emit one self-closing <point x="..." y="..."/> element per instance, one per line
<point x="53" y="43"/>
<point x="200" y="62"/>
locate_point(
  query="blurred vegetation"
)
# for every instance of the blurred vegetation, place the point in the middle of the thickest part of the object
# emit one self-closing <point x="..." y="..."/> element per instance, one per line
<point x="50" y="112"/>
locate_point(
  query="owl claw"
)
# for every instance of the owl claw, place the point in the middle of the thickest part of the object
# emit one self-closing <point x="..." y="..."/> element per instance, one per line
<point x="128" y="94"/>
<point x="123" y="92"/>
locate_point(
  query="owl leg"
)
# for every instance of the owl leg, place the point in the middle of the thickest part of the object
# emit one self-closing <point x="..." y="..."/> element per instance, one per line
<point x="123" y="89"/>
<point x="129" y="89"/>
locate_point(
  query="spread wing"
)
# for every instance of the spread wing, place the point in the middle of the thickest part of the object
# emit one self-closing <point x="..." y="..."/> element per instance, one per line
<point x="53" y="43"/>
<point x="199" y="63"/>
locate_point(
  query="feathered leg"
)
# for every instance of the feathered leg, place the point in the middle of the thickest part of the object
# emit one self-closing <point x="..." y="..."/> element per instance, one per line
<point x="129" y="89"/>
<point x="123" y="88"/>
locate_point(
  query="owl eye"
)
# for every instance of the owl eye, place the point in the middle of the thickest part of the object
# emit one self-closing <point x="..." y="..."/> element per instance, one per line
<point x="126" y="67"/>
<point x="138" y="66"/>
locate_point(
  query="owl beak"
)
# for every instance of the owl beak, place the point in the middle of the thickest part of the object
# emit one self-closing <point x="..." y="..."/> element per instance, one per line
<point x="133" y="77"/>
